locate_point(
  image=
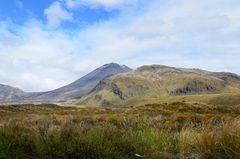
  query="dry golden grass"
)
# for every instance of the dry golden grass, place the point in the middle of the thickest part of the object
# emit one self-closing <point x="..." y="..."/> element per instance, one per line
<point x="175" y="130"/>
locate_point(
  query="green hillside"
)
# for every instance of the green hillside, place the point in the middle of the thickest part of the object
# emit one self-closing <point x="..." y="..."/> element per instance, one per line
<point x="165" y="84"/>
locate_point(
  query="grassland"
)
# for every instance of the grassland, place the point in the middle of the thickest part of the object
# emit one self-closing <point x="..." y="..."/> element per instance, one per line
<point x="152" y="131"/>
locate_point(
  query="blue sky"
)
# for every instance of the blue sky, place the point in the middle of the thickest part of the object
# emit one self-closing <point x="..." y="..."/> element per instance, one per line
<point x="21" y="11"/>
<point x="47" y="44"/>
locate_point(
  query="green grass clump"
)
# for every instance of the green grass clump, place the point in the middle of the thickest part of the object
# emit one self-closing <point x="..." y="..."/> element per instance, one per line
<point x="73" y="141"/>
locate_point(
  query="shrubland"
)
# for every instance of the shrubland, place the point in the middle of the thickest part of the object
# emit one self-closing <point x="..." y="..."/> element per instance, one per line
<point x="158" y="130"/>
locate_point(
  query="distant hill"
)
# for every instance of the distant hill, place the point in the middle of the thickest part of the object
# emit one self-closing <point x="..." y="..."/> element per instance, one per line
<point x="9" y="93"/>
<point x="74" y="90"/>
<point x="164" y="84"/>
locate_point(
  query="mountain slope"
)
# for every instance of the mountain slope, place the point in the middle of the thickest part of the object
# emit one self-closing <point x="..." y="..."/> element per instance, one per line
<point x="80" y="87"/>
<point x="149" y="83"/>
<point x="76" y="89"/>
<point x="8" y="93"/>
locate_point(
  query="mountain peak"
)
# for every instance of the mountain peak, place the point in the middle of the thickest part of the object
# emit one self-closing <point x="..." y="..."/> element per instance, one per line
<point x="112" y="65"/>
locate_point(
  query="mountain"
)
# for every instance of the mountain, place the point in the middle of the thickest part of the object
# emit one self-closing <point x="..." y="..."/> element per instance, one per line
<point x="164" y="84"/>
<point x="8" y="93"/>
<point x="114" y="85"/>
<point x="81" y="86"/>
<point x="74" y="90"/>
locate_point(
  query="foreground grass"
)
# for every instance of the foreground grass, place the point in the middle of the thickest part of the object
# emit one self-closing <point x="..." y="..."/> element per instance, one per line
<point x="176" y="130"/>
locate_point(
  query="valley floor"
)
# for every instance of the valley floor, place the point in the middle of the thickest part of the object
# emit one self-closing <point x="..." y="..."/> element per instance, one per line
<point x="151" y="131"/>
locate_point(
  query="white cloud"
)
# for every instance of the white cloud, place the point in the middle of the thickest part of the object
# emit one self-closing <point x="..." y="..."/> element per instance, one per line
<point x="199" y="34"/>
<point x="41" y="61"/>
<point x="107" y="4"/>
<point x="55" y="14"/>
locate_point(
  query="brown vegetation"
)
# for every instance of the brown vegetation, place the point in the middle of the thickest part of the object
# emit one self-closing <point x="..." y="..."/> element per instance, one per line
<point x="176" y="130"/>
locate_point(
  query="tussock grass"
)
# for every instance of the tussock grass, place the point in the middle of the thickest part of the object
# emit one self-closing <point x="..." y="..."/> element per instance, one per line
<point x="212" y="143"/>
<point x="152" y="131"/>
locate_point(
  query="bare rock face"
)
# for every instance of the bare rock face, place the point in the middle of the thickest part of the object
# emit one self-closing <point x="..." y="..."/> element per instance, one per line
<point x="111" y="87"/>
<point x="227" y="77"/>
<point x="192" y="90"/>
<point x="196" y="86"/>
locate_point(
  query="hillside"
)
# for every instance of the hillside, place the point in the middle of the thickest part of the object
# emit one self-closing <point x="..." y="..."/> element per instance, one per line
<point x="81" y="86"/>
<point x="9" y="93"/>
<point x="74" y="90"/>
<point x="164" y="84"/>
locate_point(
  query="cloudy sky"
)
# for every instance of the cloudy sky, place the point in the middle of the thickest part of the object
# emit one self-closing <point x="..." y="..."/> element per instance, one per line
<point x="45" y="44"/>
